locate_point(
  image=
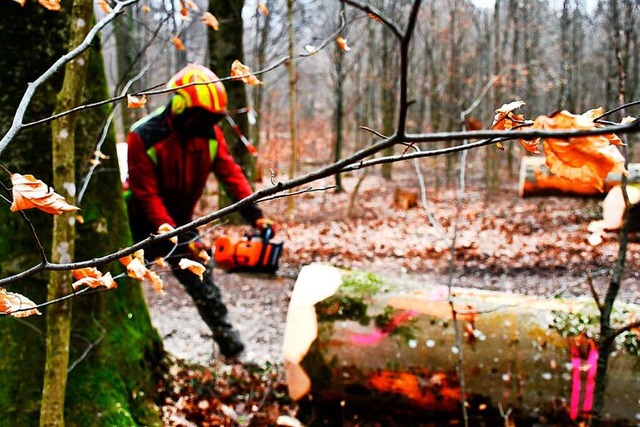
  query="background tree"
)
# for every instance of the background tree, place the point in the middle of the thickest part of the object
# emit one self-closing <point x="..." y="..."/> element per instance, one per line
<point x="339" y="110"/>
<point x="293" y="117"/>
<point x="225" y="46"/>
<point x="261" y="43"/>
<point x="114" y="350"/>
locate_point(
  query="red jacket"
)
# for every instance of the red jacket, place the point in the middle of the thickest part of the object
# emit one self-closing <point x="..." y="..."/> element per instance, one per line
<point x="168" y="173"/>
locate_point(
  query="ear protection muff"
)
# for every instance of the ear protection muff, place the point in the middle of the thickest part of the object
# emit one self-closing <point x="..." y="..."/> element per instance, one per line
<point x="178" y="104"/>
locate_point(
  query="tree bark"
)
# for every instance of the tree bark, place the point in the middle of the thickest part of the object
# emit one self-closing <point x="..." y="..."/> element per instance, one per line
<point x="492" y="159"/>
<point x="388" y="92"/>
<point x="435" y="99"/>
<point x="225" y="46"/>
<point x="262" y="39"/>
<point x="63" y="245"/>
<point x="114" y="348"/>
<point x="339" y="111"/>
<point x="292" y="105"/>
<point x="564" y="90"/>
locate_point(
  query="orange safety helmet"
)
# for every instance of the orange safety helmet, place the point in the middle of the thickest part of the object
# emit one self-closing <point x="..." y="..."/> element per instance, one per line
<point x="211" y="96"/>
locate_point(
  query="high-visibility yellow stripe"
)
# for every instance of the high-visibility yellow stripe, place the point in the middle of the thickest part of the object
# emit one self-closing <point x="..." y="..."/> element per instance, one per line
<point x="213" y="148"/>
<point x="205" y="95"/>
<point x="151" y="152"/>
<point x="214" y="96"/>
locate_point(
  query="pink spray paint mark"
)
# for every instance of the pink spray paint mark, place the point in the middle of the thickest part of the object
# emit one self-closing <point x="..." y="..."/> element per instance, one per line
<point x="377" y="335"/>
<point x="576" y="363"/>
<point x="368" y="339"/>
<point x="591" y="380"/>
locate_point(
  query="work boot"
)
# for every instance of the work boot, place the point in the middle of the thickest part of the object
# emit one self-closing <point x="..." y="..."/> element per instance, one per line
<point x="229" y="343"/>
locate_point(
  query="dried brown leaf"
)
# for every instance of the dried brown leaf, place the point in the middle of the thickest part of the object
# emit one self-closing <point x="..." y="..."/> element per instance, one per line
<point x="29" y="192"/>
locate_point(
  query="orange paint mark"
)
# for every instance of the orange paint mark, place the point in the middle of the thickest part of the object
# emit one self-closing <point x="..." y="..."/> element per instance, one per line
<point x="425" y="389"/>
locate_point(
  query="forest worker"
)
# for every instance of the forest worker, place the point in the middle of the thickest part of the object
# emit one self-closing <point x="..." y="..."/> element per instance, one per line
<point x="170" y="155"/>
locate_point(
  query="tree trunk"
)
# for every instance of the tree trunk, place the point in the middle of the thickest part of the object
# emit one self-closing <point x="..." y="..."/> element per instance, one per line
<point x="565" y="78"/>
<point x="225" y="46"/>
<point x="292" y="105"/>
<point x="262" y="39"/>
<point x="454" y="106"/>
<point x="339" y="112"/>
<point x="117" y="376"/>
<point x="435" y="100"/>
<point x="530" y="48"/>
<point x="63" y="244"/>
<point x="388" y="94"/>
<point x="514" y="9"/>
<point x="492" y="158"/>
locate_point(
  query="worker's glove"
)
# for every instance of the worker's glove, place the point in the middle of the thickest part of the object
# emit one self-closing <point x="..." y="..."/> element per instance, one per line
<point x="267" y="228"/>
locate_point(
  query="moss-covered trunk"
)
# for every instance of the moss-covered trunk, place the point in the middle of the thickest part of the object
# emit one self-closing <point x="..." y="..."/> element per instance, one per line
<point x="114" y="350"/>
<point x="63" y="244"/>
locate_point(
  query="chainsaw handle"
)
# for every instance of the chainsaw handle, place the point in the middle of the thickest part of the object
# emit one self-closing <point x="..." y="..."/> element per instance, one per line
<point x="266" y="233"/>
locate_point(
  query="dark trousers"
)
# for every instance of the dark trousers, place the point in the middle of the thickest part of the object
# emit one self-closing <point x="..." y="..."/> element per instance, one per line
<point x="205" y="293"/>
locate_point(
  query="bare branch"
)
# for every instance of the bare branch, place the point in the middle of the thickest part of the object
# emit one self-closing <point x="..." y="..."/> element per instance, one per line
<point x="17" y="125"/>
<point x="254" y="198"/>
<point x="397" y="31"/>
<point x="618" y="108"/>
<point x="475" y="103"/>
<point x="594" y="293"/>
<point x="105" y="129"/>
<point x="404" y="68"/>
<point x="155" y="91"/>
<point x="523" y="134"/>
<point x="303" y="191"/>
<point x="420" y="154"/>
<point x="626" y="328"/>
<point x="373" y="131"/>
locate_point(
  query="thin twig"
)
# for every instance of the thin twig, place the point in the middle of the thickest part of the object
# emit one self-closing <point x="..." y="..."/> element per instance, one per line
<point x="425" y="205"/>
<point x="17" y="125"/>
<point x="373" y="131"/>
<point x="397" y="31"/>
<point x="303" y="191"/>
<point x="90" y="344"/>
<point x="420" y="154"/>
<point x="618" y="108"/>
<point x="153" y="91"/>
<point x="475" y="103"/>
<point x="632" y="127"/>
<point x="105" y="129"/>
<point x="594" y="293"/>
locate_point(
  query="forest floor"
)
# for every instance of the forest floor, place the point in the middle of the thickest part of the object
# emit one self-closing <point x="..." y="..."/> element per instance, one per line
<point x="534" y="246"/>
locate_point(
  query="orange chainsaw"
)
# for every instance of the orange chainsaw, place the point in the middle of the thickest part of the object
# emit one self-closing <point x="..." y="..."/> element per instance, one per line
<point x="252" y="252"/>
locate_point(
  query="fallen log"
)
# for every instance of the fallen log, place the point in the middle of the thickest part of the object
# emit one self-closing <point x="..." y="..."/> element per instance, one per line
<point x="353" y="337"/>
<point x="537" y="181"/>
